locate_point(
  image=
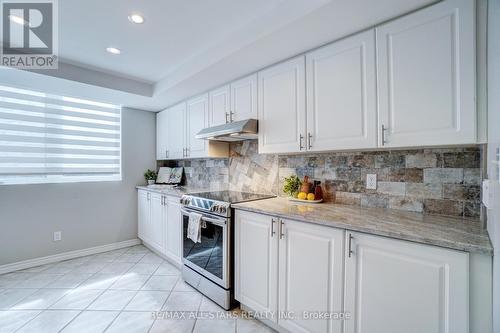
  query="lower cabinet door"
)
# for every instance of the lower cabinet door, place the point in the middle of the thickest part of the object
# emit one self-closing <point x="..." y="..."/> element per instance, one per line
<point x="310" y="277"/>
<point x="173" y="244"/>
<point x="157" y="225"/>
<point x="142" y="214"/>
<point x="395" y="286"/>
<point x="256" y="266"/>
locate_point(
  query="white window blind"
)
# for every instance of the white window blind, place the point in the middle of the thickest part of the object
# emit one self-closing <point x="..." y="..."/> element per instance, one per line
<point x="51" y="139"/>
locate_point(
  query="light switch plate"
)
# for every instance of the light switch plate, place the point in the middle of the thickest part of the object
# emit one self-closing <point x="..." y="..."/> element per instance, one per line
<point x="57" y="236"/>
<point x="371" y="181"/>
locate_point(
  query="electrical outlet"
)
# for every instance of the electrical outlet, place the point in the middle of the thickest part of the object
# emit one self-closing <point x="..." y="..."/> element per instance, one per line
<point x="371" y="181"/>
<point x="57" y="236"/>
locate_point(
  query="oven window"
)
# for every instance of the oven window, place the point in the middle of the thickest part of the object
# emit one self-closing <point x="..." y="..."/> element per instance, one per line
<point x="209" y="253"/>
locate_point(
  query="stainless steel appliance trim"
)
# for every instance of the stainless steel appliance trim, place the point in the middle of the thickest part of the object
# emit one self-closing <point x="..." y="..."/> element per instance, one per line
<point x="216" y="293"/>
<point x="235" y="131"/>
<point x="217" y="221"/>
<point x="226" y="255"/>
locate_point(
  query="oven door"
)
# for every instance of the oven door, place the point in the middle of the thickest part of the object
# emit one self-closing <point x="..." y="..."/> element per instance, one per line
<point x="210" y="258"/>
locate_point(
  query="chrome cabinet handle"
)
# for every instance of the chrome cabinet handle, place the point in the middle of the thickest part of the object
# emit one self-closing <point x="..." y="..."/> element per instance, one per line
<point x="227" y="114"/>
<point x="301" y="138"/>
<point x="187" y="152"/>
<point x="383" y="135"/>
<point x="309" y="137"/>
<point x="231" y="116"/>
<point x="273" y="221"/>
<point x="350" y="245"/>
<point x="282" y="234"/>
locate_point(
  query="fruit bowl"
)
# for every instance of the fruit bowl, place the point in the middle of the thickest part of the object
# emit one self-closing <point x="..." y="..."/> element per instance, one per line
<point x="305" y="201"/>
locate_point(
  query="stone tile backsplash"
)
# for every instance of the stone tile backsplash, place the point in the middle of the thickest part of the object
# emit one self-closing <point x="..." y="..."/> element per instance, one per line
<point x="444" y="181"/>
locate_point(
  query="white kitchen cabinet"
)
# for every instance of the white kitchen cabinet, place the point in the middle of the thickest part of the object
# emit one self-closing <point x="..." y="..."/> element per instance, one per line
<point x="426" y="77"/>
<point x="173" y="246"/>
<point x="162" y="135"/>
<point x="281" y="107"/>
<point x="196" y="120"/>
<point x="311" y="261"/>
<point x="219" y="105"/>
<point x="256" y="261"/>
<point x="176" y="131"/>
<point x="157" y="224"/>
<point x="290" y="267"/>
<point x="160" y="224"/>
<point x="341" y="94"/>
<point x="244" y="98"/>
<point x="394" y="286"/>
<point x="143" y="215"/>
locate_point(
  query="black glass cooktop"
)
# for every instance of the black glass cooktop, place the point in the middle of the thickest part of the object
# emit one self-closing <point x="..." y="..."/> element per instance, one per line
<point x="231" y="196"/>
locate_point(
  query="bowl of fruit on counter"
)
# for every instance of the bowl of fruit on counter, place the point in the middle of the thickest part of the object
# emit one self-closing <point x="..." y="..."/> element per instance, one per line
<point x="303" y="190"/>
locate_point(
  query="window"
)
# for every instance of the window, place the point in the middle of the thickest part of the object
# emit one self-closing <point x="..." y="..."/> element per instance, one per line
<point x="53" y="139"/>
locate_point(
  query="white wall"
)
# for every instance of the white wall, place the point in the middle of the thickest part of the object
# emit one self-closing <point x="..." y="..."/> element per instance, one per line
<point x="88" y="214"/>
<point x="493" y="144"/>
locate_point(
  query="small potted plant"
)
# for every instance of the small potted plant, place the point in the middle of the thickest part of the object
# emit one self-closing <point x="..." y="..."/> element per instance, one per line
<point x="150" y="176"/>
<point x="291" y="186"/>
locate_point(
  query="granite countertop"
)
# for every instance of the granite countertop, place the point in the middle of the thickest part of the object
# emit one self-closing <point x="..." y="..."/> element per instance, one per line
<point x="177" y="191"/>
<point x="454" y="233"/>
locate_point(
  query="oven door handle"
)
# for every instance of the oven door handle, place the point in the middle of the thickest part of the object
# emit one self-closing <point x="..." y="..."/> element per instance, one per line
<point x="219" y="222"/>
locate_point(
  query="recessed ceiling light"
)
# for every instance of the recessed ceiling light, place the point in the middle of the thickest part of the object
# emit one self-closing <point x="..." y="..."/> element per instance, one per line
<point x="136" y="18"/>
<point x="113" y="50"/>
<point x="17" y="19"/>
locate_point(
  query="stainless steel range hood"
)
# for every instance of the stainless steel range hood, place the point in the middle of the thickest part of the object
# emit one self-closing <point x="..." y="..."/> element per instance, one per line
<point x="230" y="132"/>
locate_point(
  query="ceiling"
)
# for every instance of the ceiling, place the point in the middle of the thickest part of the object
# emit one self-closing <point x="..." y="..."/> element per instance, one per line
<point x="187" y="47"/>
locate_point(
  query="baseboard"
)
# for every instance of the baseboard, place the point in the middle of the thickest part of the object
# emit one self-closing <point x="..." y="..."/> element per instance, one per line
<point x="15" y="266"/>
<point x="168" y="258"/>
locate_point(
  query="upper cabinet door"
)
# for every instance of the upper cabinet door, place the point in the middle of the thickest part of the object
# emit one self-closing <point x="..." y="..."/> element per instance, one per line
<point x="219" y="106"/>
<point x="394" y="286"/>
<point x="426" y="72"/>
<point x="311" y="275"/>
<point x="341" y="95"/>
<point x="244" y="98"/>
<point x="196" y="120"/>
<point x="162" y="135"/>
<point x="282" y="109"/>
<point x="176" y="131"/>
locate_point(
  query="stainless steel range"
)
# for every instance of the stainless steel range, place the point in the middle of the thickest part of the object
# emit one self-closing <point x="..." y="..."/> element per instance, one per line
<point x="208" y="266"/>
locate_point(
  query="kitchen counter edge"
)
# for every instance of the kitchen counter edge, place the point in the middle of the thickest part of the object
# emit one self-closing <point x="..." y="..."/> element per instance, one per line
<point x="447" y="232"/>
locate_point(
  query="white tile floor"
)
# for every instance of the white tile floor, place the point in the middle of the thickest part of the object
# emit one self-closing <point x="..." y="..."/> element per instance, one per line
<point x="116" y="291"/>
